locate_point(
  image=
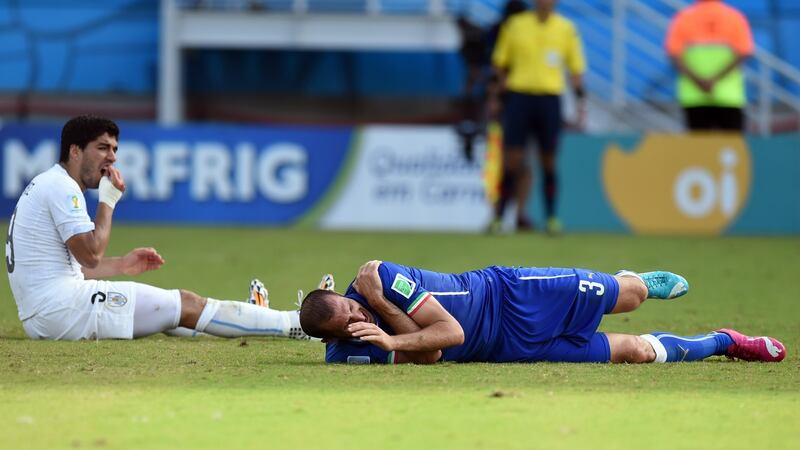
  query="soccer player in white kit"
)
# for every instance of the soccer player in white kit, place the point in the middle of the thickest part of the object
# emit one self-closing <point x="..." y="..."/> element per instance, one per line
<point x="55" y="258"/>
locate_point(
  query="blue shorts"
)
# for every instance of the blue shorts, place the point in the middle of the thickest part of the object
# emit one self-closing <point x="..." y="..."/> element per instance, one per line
<point x="537" y="115"/>
<point x="552" y="314"/>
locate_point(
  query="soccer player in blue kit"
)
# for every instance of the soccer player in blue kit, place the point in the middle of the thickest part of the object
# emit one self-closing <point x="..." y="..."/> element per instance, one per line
<point x="398" y="314"/>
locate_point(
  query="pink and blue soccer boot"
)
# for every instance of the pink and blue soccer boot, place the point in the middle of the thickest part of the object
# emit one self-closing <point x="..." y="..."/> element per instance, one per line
<point x="760" y="348"/>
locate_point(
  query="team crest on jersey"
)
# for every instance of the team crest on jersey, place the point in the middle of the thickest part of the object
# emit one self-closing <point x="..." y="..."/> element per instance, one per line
<point x="403" y="286"/>
<point x="75" y="204"/>
<point x="116" y="299"/>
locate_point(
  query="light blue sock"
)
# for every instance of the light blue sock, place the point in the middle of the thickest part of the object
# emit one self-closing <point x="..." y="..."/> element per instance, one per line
<point x="671" y="348"/>
<point x="235" y="319"/>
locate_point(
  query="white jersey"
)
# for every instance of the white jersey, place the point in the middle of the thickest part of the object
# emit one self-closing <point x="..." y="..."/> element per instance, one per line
<point x="43" y="273"/>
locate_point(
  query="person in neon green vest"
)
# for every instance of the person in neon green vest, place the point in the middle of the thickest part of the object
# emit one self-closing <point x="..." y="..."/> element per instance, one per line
<point x="708" y="42"/>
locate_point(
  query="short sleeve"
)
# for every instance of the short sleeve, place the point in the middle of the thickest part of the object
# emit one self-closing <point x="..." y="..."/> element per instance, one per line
<point x="356" y="352"/>
<point x="676" y="38"/>
<point x="400" y="288"/>
<point x="576" y="62"/>
<point x="743" y="37"/>
<point x="500" y="54"/>
<point x="68" y="209"/>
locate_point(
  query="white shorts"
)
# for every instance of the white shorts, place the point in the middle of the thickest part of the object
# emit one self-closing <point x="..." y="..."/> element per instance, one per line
<point x="99" y="310"/>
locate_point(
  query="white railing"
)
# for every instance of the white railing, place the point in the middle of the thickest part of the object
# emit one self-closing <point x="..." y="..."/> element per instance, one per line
<point x="370" y="7"/>
<point x="625" y="67"/>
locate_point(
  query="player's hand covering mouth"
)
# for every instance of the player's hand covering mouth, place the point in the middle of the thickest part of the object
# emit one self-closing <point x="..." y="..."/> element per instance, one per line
<point x="367" y="316"/>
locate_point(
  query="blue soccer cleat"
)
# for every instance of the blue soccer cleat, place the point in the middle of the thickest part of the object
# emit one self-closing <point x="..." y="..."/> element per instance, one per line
<point x="664" y="285"/>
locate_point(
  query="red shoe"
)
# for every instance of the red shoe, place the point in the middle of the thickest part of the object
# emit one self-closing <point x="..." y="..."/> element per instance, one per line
<point x="761" y="348"/>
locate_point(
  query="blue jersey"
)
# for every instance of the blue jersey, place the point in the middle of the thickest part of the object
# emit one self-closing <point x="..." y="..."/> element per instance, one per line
<point x="507" y="313"/>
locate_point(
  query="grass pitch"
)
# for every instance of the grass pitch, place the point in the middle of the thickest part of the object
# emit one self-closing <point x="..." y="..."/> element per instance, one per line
<point x="201" y="393"/>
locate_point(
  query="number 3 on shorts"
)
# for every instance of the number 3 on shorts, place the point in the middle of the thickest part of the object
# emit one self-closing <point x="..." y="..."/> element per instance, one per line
<point x="585" y="286"/>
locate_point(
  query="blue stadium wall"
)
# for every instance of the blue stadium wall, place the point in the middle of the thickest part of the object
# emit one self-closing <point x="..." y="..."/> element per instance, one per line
<point x="112" y="47"/>
<point x="416" y="178"/>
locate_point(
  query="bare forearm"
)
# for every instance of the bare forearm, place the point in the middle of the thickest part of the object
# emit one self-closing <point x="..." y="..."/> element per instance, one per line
<point x="400" y="322"/>
<point x="497" y="88"/>
<point x="102" y="230"/>
<point x="431" y="338"/>
<point x="403" y="324"/>
<point x="110" y="266"/>
<point x="576" y="79"/>
<point x="89" y="248"/>
<point x="682" y="69"/>
<point x="730" y="67"/>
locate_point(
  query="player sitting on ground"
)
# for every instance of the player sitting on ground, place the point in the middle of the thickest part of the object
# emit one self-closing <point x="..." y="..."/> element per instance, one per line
<point x="55" y="257"/>
<point x="393" y="313"/>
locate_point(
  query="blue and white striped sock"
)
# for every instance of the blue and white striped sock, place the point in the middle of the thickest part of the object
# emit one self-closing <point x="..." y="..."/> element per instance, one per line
<point x="671" y="348"/>
<point x="235" y="319"/>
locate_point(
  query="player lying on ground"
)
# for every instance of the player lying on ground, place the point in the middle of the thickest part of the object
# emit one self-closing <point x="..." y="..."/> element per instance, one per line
<point x="55" y="257"/>
<point x="393" y="313"/>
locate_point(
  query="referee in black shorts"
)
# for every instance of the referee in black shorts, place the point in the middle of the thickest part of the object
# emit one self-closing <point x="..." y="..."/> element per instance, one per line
<point x="532" y="51"/>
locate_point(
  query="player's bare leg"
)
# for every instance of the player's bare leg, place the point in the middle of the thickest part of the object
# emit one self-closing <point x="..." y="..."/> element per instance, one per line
<point x="514" y="165"/>
<point x="632" y="293"/>
<point x="548" y="161"/>
<point x="627" y="348"/>
<point x="192" y="306"/>
<point x="524" y="180"/>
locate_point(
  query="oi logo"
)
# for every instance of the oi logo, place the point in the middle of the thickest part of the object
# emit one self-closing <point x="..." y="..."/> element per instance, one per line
<point x="679" y="184"/>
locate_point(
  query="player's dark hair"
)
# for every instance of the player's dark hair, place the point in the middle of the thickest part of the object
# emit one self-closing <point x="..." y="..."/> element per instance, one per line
<point x="315" y="310"/>
<point x="84" y="129"/>
<point x="513" y="7"/>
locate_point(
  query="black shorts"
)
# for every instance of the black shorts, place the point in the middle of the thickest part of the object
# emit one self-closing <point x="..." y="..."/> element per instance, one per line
<point x="537" y="115"/>
<point x="714" y="118"/>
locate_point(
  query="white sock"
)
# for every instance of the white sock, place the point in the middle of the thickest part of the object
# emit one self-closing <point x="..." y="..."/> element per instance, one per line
<point x="628" y="273"/>
<point x="658" y="347"/>
<point x="184" y="332"/>
<point x="234" y="319"/>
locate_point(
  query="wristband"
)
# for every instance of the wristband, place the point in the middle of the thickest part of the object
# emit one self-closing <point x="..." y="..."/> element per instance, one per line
<point x="109" y="194"/>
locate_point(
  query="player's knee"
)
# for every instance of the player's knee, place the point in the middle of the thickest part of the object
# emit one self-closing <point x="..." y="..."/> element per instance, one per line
<point x="191" y="307"/>
<point x="639" y="290"/>
<point x="632" y="292"/>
